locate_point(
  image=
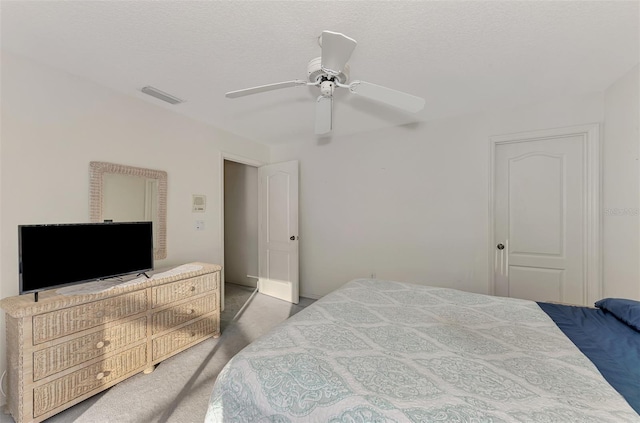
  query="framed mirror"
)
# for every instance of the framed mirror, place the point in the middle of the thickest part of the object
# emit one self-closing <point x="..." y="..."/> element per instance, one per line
<point x="130" y="194"/>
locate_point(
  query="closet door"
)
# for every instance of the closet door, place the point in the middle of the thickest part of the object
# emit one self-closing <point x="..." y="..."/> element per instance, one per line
<point x="542" y="215"/>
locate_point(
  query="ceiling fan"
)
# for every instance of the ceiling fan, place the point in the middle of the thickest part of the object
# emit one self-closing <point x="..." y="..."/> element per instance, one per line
<point x="331" y="71"/>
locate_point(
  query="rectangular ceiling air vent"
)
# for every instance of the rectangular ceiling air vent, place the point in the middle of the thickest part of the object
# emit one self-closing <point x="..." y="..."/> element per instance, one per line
<point x="154" y="92"/>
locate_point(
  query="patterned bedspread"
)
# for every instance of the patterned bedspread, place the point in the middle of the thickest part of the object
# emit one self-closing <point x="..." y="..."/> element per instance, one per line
<point x="384" y="351"/>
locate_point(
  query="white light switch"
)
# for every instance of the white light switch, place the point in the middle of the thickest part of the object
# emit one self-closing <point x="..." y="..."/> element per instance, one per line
<point x="199" y="225"/>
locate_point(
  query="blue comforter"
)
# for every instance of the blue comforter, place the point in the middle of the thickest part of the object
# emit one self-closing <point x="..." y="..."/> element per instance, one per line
<point x="610" y="344"/>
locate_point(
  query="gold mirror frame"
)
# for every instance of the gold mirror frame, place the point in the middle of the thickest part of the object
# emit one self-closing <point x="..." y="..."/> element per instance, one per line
<point x="97" y="170"/>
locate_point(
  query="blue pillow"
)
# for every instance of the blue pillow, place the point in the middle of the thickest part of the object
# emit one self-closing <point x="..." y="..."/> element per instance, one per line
<point x="626" y="310"/>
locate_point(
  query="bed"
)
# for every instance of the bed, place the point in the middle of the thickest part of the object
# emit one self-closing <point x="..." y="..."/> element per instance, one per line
<point x="387" y="351"/>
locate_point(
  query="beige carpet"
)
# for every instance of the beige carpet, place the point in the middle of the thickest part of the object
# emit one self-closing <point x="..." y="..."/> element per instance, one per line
<point x="178" y="390"/>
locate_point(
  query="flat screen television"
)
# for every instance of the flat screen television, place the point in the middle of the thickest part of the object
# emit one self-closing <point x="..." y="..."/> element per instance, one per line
<point x="57" y="255"/>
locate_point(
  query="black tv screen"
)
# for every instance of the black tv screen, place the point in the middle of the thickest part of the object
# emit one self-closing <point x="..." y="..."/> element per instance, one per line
<point x="63" y="254"/>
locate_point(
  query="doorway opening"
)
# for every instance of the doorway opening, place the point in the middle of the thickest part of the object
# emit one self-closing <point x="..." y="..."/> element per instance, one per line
<point x="239" y="230"/>
<point x="241" y="224"/>
<point x="259" y="227"/>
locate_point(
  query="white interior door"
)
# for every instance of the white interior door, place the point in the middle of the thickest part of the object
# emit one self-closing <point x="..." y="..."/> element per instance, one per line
<point x="541" y="219"/>
<point x="278" y="230"/>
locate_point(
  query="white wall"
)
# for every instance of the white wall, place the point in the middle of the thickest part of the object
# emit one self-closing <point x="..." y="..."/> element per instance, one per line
<point x="240" y="223"/>
<point x="621" y="187"/>
<point x="3" y="355"/>
<point x="409" y="203"/>
<point x="54" y="124"/>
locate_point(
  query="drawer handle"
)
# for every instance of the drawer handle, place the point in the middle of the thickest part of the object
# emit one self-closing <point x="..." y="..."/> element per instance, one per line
<point x="100" y="314"/>
<point x="190" y="311"/>
<point x="102" y="375"/>
<point x="100" y="345"/>
<point x="193" y="288"/>
<point x="193" y="334"/>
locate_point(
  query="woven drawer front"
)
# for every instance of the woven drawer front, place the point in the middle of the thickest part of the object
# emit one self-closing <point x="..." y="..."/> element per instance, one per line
<point x="68" y="354"/>
<point x="184" y="312"/>
<point x="178" y="339"/>
<point x="184" y="289"/>
<point x="60" y="391"/>
<point x="63" y="322"/>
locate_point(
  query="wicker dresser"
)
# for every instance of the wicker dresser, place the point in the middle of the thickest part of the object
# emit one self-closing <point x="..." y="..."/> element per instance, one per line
<point x="64" y="349"/>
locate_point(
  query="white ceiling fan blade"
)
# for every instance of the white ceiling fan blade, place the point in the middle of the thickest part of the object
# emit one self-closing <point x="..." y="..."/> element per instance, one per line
<point x="324" y="115"/>
<point x="395" y="98"/>
<point x="263" y="88"/>
<point x="336" y="51"/>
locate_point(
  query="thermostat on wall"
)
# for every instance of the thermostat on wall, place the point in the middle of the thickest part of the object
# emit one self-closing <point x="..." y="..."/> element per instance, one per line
<point x="199" y="203"/>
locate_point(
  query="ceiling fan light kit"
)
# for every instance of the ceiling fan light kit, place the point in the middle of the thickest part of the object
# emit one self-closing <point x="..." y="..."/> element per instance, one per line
<point x="331" y="71"/>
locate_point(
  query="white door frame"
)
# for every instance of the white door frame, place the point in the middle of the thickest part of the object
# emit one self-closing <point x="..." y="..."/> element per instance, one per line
<point x="590" y="134"/>
<point x="242" y="160"/>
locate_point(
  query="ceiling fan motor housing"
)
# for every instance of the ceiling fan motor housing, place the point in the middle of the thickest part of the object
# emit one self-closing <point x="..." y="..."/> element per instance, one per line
<point x="315" y="72"/>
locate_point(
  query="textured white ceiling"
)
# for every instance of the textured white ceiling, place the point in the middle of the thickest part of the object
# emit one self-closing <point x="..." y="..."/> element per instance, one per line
<point x="460" y="56"/>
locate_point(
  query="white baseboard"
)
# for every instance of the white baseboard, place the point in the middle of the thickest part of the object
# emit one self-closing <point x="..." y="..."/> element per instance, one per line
<point x="312" y="296"/>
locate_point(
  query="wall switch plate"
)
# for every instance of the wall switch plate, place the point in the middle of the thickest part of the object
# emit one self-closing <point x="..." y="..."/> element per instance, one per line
<point x="199" y="225"/>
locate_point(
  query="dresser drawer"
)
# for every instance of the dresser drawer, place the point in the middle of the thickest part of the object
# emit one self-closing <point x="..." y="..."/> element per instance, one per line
<point x="180" y="338"/>
<point x="184" y="289"/>
<point x="190" y="310"/>
<point x="76" y="351"/>
<point x="65" y="389"/>
<point x="56" y="324"/>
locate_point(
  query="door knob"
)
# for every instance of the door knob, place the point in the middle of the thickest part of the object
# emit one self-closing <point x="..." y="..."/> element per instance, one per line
<point x="500" y="246"/>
